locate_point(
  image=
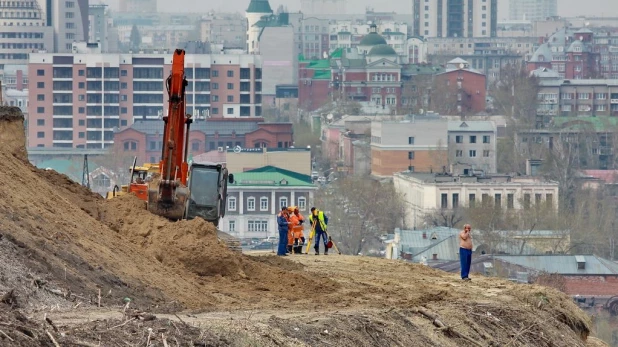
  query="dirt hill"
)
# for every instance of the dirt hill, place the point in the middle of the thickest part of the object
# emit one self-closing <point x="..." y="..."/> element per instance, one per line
<point x="61" y="246"/>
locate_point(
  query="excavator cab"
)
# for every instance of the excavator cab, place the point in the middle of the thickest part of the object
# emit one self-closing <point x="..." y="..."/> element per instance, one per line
<point x="207" y="192"/>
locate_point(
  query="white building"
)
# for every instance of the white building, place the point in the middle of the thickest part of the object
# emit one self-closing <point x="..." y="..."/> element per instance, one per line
<point x="425" y="193"/>
<point x="472" y="145"/>
<point x="532" y="10"/>
<point x="454" y="18"/>
<point x="349" y="34"/>
<point x="254" y="13"/>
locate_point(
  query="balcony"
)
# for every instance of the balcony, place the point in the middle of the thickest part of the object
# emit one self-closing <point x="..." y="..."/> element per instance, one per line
<point x="613" y="101"/>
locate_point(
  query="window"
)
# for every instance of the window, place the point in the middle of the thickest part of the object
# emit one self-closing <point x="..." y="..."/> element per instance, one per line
<point x="411" y="168"/>
<point x="549" y="199"/>
<point x="230" y="86"/>
<point x="472" y="153"/>
<point x="251" y="204"/>
<point x="70" y="4"/>
<point x="485" y="138"/>
<point x="458" y="153"/>
<point x="231" y="203"/>
<point x="123" y="73"/>
<point x="283" y="202"/>
<point x="459" y="139"/>
<point x="40" y="72"/>
<point x="257" y="226"/>
<point x="498" y="200"/>
<point x="231" y="226"/>
<point x="455" y="200"/>
<point x="69" y="25"/>
<point x="215" y="85"/>
<point x="40" y="122"/>
<point x="195" y="146"/>
<point x="40" y="97"/>
<point x="40" y="135"/>
<point x="263" y="204"/>
<point x="130" y="145"/>
<point x="510" y="201"/>
<point x="230" y="98"/>
<point x="302" y="203"/>
<point x="471" y="200"/>
<point x="230" y="110"/>
<point x="526" y="201"/>
<point x="40" y="109"/>
<point x="215" y="73"/>
<point x="486" y="153"/>
<point x="40" y="85"/>
<point x="230" y="73"/>
<point x="472" y="139"/>
<point x="444" y="200"/>
<point x="68" y="15"/>
<point x="411" y="140"/>
<point x="411" y="155"/>
<point x="81" y="85"/>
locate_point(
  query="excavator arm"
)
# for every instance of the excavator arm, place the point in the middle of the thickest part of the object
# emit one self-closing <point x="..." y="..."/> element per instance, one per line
<point x="168" y="195"/>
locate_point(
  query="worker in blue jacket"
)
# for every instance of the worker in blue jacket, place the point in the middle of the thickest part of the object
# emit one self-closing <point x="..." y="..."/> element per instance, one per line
<point x="283" y="222"/>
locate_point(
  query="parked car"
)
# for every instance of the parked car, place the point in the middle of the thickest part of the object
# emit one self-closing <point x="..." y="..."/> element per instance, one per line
<point x="263" y="245"/>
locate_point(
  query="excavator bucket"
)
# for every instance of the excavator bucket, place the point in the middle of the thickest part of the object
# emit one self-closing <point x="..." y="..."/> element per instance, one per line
<point x="170" y="208"/>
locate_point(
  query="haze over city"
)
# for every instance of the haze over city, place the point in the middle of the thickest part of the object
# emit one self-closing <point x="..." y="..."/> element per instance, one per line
<point x="601" y="8"/>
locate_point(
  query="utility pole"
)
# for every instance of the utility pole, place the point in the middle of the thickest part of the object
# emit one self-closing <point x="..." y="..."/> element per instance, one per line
<point x="86" y="173"/>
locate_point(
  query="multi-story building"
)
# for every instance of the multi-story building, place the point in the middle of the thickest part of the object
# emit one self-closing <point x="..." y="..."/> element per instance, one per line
<point x="322" y="7"/>
<point x="315" y="38"/>
<point x="77" y="100"/>
<point x="227" y="29"/>
<point x="144" y="139"/>
<point x="276" y="152"/>
<point x="425" y="193"/>
<point x="417" y="145"/>
<point x="369" y="75"/>
<point x="254" y="13"/>
<point x="462" y="86"/>
<point x="138" y="6"/>
<point x="100" y="30"/>
<point x="15" y="77"/>
<point x="455" y="18"/>
<point x="352" y="34"/>
<point x="256" y="196"/>
<point x="472" y="146"/>
<point x="532" y="9"/>
<point x="22" y="31"/>
<point x="578" y="54"/>
<point x="70" y="22"/>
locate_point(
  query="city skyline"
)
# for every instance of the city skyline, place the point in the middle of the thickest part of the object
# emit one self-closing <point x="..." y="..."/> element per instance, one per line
<point x="566" y="8"/>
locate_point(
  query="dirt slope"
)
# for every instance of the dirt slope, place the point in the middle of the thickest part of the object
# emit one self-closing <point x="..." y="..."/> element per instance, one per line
<point x="61" y="245"/>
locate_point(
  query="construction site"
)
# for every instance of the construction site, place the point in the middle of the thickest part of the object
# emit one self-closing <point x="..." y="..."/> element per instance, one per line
<point x="80" y="270"/>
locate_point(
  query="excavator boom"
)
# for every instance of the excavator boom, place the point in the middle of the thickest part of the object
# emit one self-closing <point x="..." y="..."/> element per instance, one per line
<point x="168" y="195"/>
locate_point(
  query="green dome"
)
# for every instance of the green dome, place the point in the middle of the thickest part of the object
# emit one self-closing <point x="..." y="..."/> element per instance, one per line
<point x="259" y="6"/>
<point x="372" y="39"/>
<point x="382" y="49"/>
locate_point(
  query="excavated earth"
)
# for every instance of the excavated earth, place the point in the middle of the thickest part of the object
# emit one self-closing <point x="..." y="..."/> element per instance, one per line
<point x="78" y="270"/>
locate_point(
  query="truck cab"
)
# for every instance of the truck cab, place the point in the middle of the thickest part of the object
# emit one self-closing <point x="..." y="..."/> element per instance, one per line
<point x="207" y="192"/>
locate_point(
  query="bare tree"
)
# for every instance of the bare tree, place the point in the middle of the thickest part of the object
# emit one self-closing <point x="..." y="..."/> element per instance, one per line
<point x="361" y="209"/>
<point x="514" y="94"/>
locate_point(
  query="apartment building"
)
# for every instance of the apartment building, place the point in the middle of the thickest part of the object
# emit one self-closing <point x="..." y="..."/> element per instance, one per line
<point x="256" y="196"/>
<point x="455" y="18"/>
<point x="315" y="37"/>
<point x="425" y="193"/>
<point x="22" y="30"/>
<point x="227" y="29"/>
<point x="590" y="97"/>
<point x="77" y="100"/>
<point x="472" y="145"/>
<point x="532" y="10"/>
<point x="69" y="18"/>
<point x="417" y="145"/>
<point x="466" y="84"/>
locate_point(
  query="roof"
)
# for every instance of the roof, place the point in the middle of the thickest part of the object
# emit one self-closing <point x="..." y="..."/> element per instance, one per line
<point x="607" y="176"/>
<point x="598" y="123"/>
<point x="372" y="39"/>
<point x="544" y="72"/>
<point x="382" y="49"/>
<point x="421" y="69"/>
<point x="208" y="127"/>
<point x="563" y="264"/>
<point x="271" y="176"/>
<point x="458" y="61"/>
<point x="442" y="241"/>
<point x="211" y="157"/>
<point x="71" y="168"/>
<point x="476" y="126"/>
<point x="259" y="6"/>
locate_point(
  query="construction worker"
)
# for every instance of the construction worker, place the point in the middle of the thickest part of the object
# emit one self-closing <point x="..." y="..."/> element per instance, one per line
<point x="299" y="236"/>
<point x="319" y="223"/>
<point x="283" y="222"/>
<point x="294" y="222"/>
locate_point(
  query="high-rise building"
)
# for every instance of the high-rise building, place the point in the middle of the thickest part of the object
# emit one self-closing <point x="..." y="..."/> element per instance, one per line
<point x="78" y="100"/>
<point x="455" y="18"/>
<point x="532" y="9"/>
<point x="69" y="18"/>
<point x="22" y="31"/>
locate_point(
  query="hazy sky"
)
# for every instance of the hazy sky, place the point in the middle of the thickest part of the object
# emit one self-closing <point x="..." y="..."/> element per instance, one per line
<point x="608" y="8"/>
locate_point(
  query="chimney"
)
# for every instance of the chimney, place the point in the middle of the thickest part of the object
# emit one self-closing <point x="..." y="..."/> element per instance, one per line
<point x="435" y="256"/>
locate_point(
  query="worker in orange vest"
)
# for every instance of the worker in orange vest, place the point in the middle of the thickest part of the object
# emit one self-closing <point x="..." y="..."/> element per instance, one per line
<point x="299" y="236"/>
<point x="293" y="219"/>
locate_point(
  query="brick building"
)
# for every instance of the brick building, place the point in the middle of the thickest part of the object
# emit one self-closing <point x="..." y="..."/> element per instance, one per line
<point x="467" y="84"/>
<point x="144" y="139"/>
<point x="78" y="100"/>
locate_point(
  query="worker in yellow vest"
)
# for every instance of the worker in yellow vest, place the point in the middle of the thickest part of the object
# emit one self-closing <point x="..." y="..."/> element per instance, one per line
<point x="319" y="222"/>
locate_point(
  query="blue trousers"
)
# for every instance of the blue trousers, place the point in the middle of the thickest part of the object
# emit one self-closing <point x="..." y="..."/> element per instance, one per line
<point x="283" y="242"/>
<point x="465" y="259"/>
<point x="318" y="235"/>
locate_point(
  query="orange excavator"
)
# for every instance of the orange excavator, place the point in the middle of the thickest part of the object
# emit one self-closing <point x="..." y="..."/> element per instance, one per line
<point x="184" y="191"/>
